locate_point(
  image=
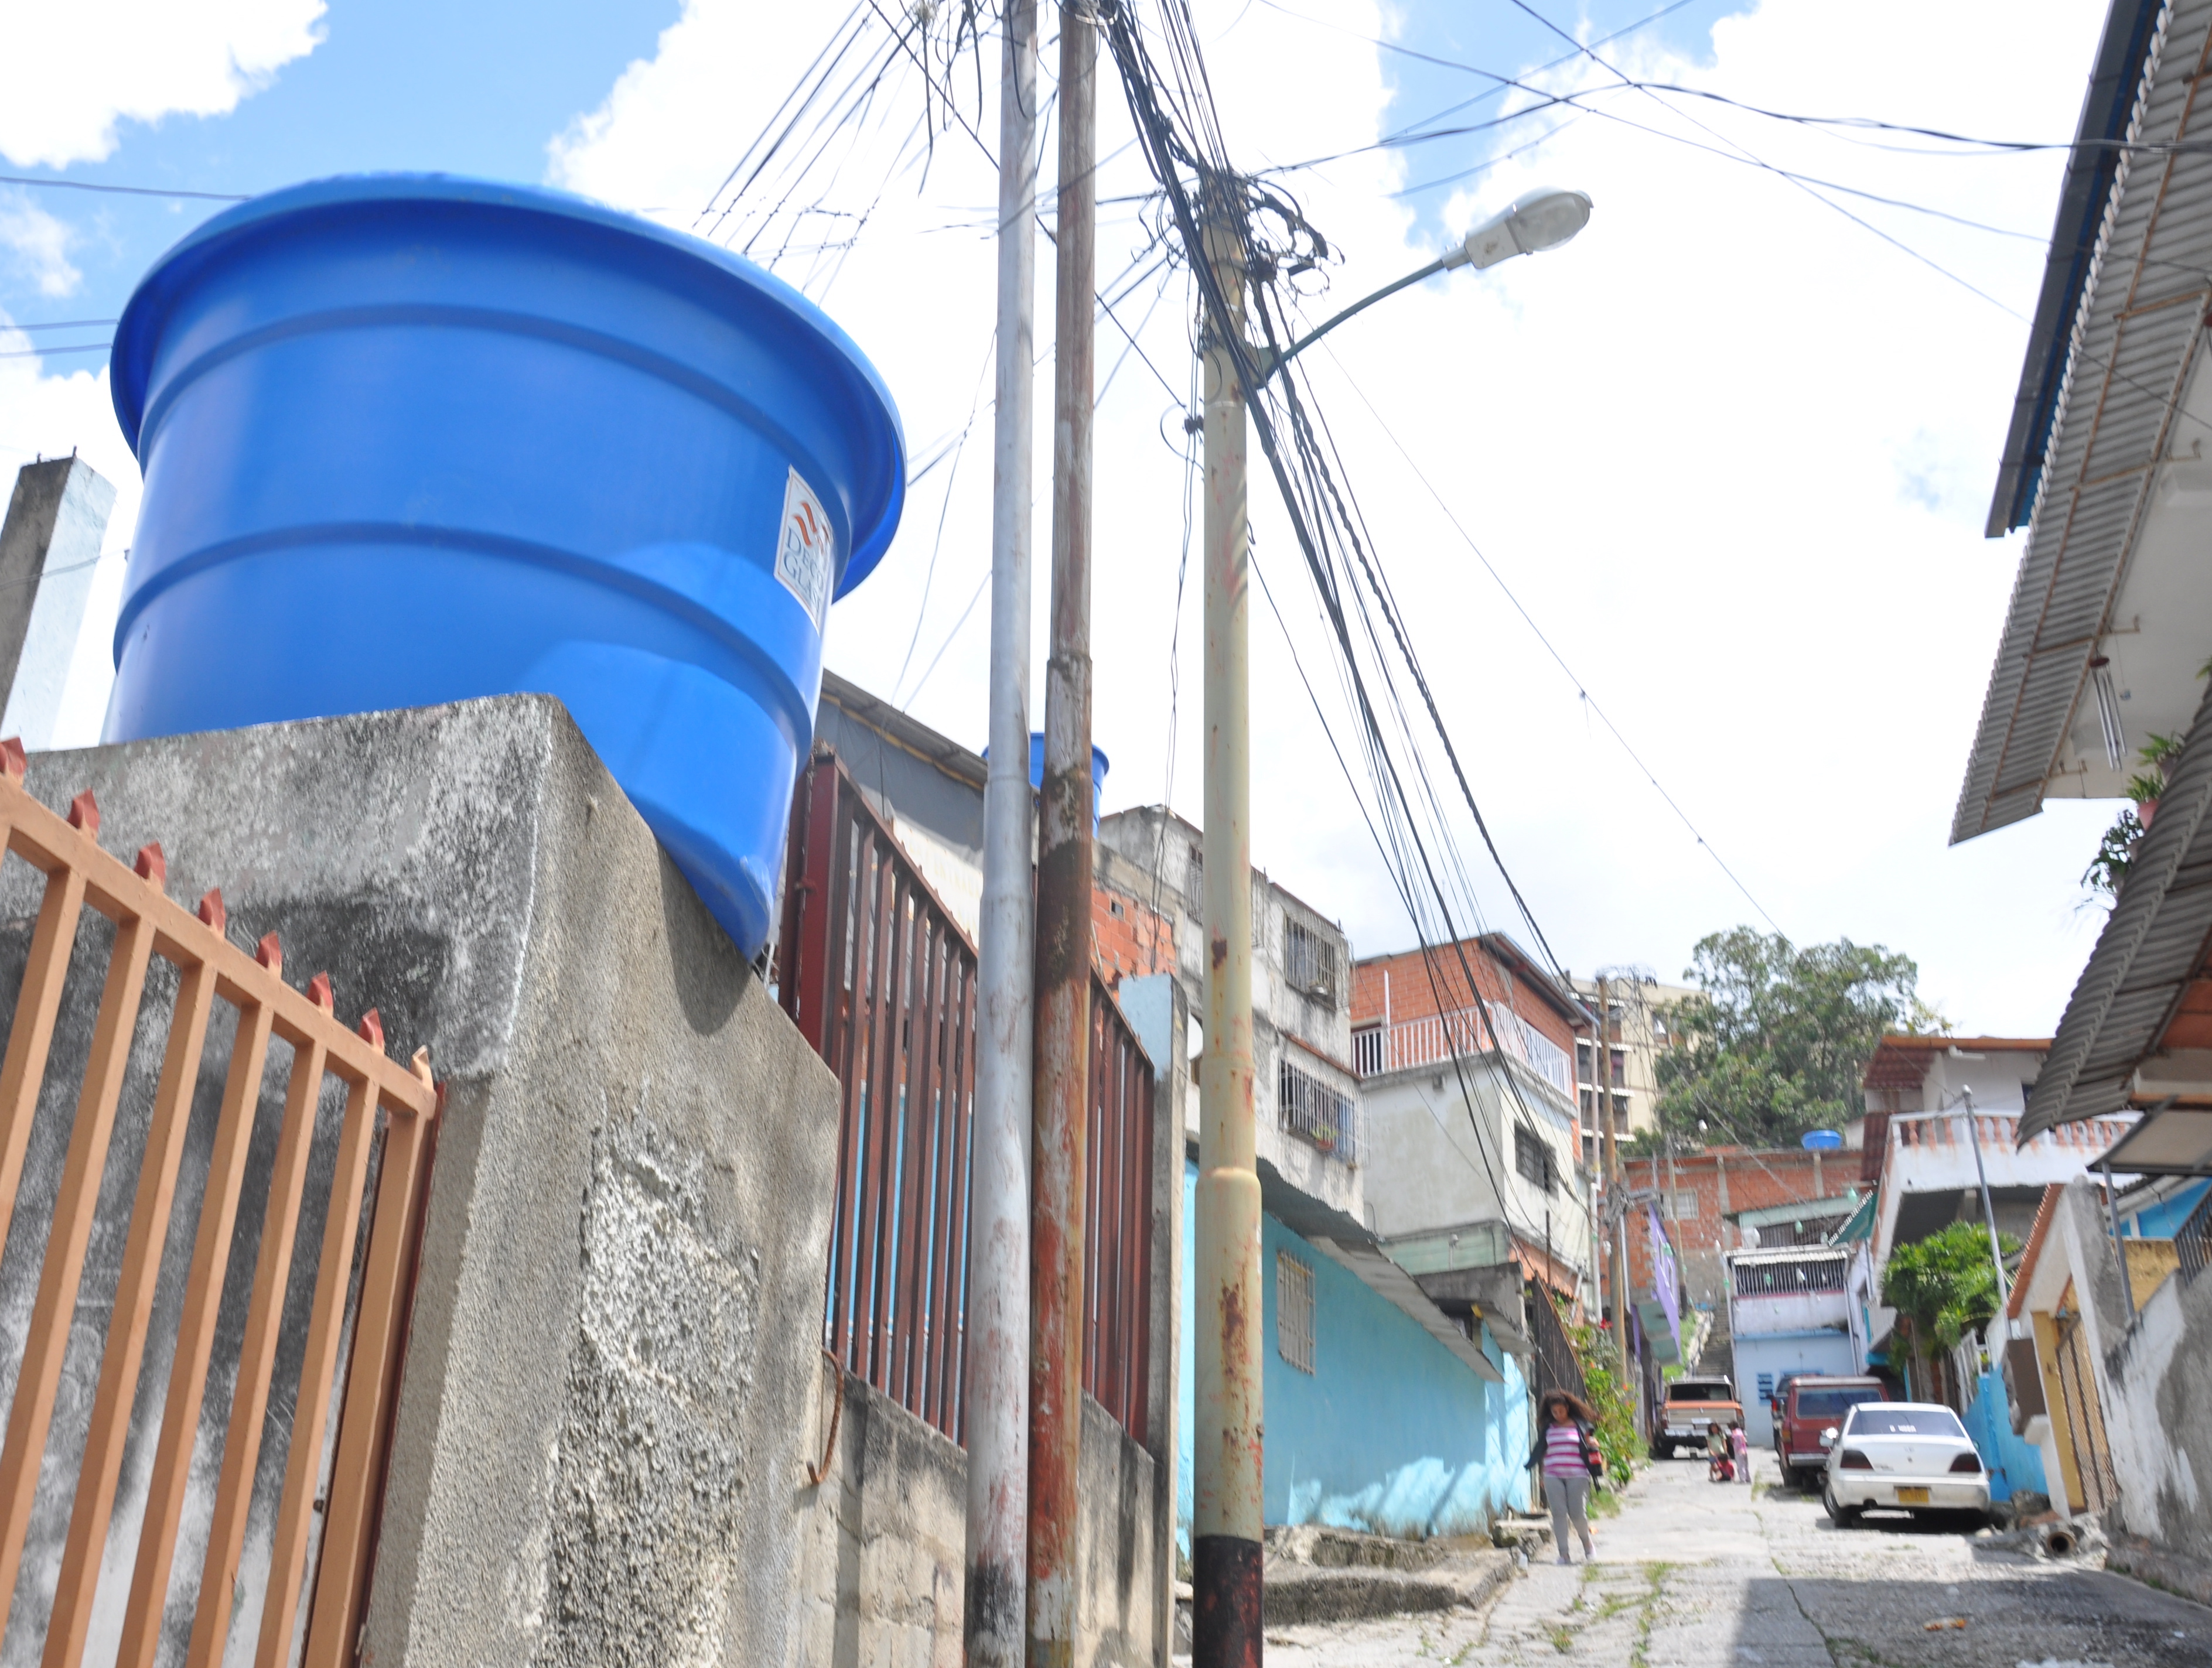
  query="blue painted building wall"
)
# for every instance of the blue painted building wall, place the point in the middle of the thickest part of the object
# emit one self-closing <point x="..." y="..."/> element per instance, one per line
<point x="2012" y="1464"/>
<point x="1391" y="1432"/>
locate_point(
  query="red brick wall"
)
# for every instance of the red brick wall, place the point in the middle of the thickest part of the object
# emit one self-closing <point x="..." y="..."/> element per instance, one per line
<point x="1755" y="1181"/>
<point x="1134" y="941"/>
<point x="1413" y="996"/>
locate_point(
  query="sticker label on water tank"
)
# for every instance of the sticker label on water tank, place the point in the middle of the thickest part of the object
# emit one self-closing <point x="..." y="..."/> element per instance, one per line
<point x="806" y="550"/>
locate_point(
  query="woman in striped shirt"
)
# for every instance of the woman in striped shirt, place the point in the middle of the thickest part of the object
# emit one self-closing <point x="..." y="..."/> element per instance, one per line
<point x="1562" y="1450"/>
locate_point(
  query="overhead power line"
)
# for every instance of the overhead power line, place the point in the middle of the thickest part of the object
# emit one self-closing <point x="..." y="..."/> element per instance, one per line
<point x="120" y="191"/>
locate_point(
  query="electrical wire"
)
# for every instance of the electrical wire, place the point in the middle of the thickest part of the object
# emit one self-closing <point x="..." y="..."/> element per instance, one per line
<point x="1582" y="688"/>
<point x="120" y="191"/>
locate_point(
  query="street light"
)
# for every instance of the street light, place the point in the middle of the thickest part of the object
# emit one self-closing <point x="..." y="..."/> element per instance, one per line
<point x="1541" y="221"/>
<point x="1228" y="1514"/>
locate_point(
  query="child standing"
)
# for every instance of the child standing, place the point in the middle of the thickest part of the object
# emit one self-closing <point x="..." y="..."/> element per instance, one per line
<point x="1739" y="1451"/>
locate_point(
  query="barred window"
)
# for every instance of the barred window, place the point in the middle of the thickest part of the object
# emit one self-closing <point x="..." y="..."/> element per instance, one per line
<point x="1313" y="1111"/>
<point x="1294" y="1311"/>
<point x="1780" y="1278"/>
<point x="1309" y="960"/>
<point x="1532" y="1157"/>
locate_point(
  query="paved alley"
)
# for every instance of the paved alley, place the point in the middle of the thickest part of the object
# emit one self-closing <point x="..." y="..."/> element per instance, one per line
<point x="1693" y="1575"/>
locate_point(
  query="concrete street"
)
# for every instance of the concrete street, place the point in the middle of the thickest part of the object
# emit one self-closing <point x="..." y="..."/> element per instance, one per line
<point x="1693" y="1575"/>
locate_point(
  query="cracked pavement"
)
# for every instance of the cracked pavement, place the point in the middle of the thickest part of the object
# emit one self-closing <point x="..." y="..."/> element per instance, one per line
<point x="1696" y="1574"/>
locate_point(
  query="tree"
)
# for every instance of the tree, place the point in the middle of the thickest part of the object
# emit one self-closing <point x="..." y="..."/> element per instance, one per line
<point x="1942" y="1288"/>
<point x="1775" y="1041"/>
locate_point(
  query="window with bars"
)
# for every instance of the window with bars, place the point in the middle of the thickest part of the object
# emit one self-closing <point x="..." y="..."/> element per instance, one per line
<point x="1309" y="960"/>
<point x="1532" y="1157"/>
<point x="1312" y="1110"/>
<point x="1294" y="1311"/>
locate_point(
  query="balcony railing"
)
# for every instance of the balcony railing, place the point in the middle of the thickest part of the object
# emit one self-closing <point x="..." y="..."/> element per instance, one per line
<point x="1465" y="1032"/>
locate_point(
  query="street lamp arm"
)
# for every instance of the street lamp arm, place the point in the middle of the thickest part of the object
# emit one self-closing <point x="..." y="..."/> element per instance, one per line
<point x="1278" y="361"/>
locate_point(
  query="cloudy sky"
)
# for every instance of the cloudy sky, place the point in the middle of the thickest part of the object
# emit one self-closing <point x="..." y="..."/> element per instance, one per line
<point x="1728" y="454"/>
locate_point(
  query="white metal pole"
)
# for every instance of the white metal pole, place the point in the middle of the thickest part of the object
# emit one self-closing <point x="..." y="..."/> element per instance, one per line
<point x="1226" y="1440"/>
<point x="997" y="1377"/>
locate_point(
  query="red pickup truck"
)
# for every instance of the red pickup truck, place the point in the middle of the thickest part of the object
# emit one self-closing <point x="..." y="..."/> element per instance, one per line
<point x="1808" y="1413"/>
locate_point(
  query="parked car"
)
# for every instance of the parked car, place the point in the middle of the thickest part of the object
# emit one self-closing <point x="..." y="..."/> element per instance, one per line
<point x="1693" y="1407"/>
<point x="1912" y="1457"/>
<point x="1808" y="1416"/>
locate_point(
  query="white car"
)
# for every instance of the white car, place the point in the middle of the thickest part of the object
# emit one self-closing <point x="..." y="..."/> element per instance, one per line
<point x="1906" y="1456"/>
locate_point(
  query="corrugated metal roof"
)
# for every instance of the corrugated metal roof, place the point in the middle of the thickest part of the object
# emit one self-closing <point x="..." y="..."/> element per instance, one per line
<point x="2106" y="109"/>
<point x="2149" y="950"/>
<point x="2135" y="336"/>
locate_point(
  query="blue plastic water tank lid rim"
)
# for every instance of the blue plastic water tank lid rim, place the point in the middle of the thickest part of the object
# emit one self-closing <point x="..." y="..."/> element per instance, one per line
<point x="130" y="361"/>
<point x="1100" y="764"/>
<point x="1820" y="1141"/>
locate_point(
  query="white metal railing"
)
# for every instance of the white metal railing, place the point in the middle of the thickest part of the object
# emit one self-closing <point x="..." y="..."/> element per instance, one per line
<point x="1466" y="1031"/>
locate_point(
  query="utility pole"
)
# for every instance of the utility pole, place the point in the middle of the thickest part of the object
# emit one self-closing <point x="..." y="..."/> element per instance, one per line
<point x="997" y="1371"/>
<point x="1064" y="864"/>
<point x="1226" y="1435"/>
<point x="1616" y="1212"/>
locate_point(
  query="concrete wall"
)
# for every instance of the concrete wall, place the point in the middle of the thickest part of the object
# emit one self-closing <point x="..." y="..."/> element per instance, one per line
<point x="1148" y="853"/>
<point x="1390" y="1434"/>
<point x="883" y="1565"/>
<point x="1432" y="1169"/>
<point x="58" y="604"/>
<point x="2157" y="1395"/>
<point x="611" y="1359"/>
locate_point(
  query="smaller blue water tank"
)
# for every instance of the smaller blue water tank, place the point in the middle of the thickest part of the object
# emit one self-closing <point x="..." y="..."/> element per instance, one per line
<point x="409" y="439"/>
<point x="1098" y="769"/>
<point x="1820" y="1141"/>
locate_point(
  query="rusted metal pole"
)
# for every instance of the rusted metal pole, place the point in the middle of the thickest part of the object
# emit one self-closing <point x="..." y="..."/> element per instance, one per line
<point x="1064" y="864"/>
<point x="1226" y="1435"/>
<point x="996" y="1379"/>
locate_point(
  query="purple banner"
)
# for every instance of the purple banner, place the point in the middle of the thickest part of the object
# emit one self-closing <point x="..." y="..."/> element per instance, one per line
<point x="1663" y="1277"/>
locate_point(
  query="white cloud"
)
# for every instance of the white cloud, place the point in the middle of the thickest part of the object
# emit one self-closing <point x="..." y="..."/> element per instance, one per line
<point x="69" y="73"/>
<point x="37" y="245"/>
<point x="1730" y="449"/>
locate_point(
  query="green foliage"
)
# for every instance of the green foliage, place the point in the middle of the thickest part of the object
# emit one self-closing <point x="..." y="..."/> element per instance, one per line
<point x="1945" y="1287"/>
<point x="1775" y="1041"/>
<point x="2117" y="850"/>
<point x="1616" y="1415"/>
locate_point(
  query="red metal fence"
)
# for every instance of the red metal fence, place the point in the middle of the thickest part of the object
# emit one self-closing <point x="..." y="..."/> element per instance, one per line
<point x="881" y="980"/>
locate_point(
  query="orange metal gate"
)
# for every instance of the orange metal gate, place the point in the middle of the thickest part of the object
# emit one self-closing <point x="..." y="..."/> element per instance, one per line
<point x="331" y="1585"/>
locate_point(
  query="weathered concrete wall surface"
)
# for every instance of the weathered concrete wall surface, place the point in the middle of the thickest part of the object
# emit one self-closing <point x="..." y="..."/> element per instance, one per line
<point x="884" y="1568"/>
<point x="2158" y="1397"/>
<point x="599" y="1447"/>
<point x="886" y="1537"/>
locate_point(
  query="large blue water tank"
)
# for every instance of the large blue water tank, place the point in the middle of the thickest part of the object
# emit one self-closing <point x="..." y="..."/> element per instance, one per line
<point x="412" y="439"/>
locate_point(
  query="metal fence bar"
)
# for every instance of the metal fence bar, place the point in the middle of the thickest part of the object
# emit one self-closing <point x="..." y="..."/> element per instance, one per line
<point x="39" y="1376"/>
<point x="881" y="980"/>
<point x="257" y="1360"/>
<point x="180" y="1409"/>
<point x="103" y="1465"/>
<point x="80" y="874"/>
<point x="288" y="1552"/>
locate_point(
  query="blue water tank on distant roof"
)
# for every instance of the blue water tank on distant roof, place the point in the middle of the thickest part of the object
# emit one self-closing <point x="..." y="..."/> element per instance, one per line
<point x="412" y="439"/>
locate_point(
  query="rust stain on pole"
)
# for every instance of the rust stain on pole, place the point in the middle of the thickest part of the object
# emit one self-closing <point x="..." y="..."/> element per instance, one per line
<point x="1059" y="1141"/>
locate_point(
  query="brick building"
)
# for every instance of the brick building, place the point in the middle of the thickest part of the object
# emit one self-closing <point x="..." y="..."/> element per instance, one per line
<point x="1781" y="1195"/>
